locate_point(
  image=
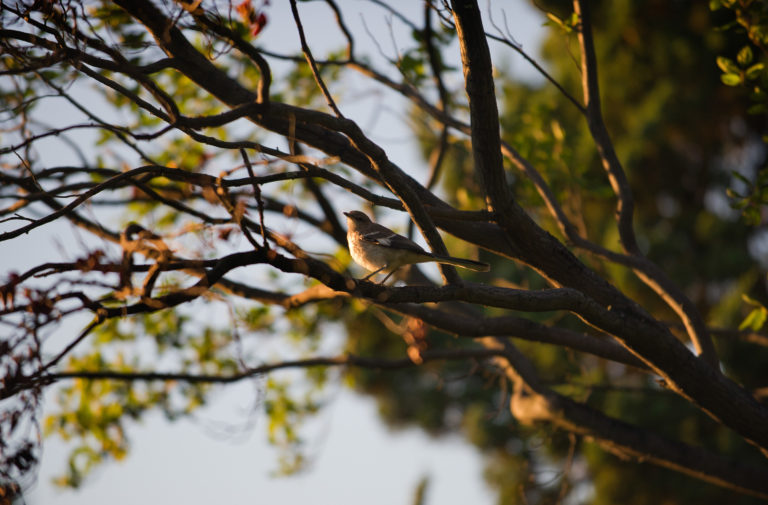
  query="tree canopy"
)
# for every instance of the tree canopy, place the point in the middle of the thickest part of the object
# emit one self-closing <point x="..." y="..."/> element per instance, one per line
<point x="619" y="199"/>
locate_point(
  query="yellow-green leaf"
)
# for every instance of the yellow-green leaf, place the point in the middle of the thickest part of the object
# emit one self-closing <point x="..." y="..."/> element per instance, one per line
<point x="755" y="320"/>
<point x="731" y="79"/>
<point x="754" y="71"/>
<point x="727" y="65"/>
<point x="745" y="56"/>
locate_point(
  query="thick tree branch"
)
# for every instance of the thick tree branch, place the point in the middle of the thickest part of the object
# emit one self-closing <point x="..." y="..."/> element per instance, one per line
<point x="657" y="347"/>
<point x="625" y="333"/>
<point x="692" y="378"/>
<point x="533" y="402"/>
<point x="455" y="323"/>
<point x="644" y="268"/>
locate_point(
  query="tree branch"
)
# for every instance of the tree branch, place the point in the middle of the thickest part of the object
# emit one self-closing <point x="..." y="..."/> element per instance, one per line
<point x="349" y="360"/>
<point x="517" y="236"/>
<point x="311" y="61"/>
<point x="647" y="271"/>
<point x="663" y="353"/>
<point x="533" y="402"/>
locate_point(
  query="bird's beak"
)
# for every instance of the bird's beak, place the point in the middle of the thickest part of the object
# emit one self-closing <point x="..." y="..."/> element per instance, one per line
<point x="346" y="214"/>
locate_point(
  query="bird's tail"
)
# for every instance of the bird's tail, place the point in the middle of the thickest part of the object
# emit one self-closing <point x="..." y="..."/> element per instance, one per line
<point x="477" y="266"/>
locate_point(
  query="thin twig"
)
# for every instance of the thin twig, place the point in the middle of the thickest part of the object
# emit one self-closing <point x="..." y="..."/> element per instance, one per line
<point x="257" y="193"/>
<point x="518" y="48"/>
<point x="344" y="29"/>
<point x="311" y="61"/>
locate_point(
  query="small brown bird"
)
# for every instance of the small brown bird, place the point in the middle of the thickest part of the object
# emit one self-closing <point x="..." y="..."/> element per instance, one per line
<point x="377" y="248"/>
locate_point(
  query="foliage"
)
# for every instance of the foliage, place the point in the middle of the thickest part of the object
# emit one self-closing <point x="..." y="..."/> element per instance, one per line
<point x="210" y="187"/>
<point x="748" y="22"/>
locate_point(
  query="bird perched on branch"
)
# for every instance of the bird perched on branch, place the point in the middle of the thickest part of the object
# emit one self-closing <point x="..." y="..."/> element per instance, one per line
<point x="377" y="248"/>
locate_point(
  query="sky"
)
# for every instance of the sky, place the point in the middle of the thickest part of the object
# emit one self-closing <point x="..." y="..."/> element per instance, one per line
<point x="355" y="457"/>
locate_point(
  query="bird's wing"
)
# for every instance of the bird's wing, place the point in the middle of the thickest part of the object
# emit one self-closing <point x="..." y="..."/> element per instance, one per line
<point x="388" y="238"/>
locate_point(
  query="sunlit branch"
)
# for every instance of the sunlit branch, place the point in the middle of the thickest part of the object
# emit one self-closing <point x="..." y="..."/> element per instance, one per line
<point x="534" y="402"/>
<point x="435" y="64"/>
<point x="455" y="323"/>
<point x="657" y="346"/>
<point x="59" y="49"/>
<point x="311" y="61"/>
<point x="343" y="27"/>
<point x="648" y="272"/>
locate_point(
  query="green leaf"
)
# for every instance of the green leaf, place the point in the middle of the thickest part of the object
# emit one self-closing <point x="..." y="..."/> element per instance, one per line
<point x="754" y="71"/>
<point x="755" y="320"/>
<point x="745" y="56"/>
<point x="715" y="5"/>
<point x="758" y="108"/>
<point x="727" y="65"/>
<point x="731" y="79"/>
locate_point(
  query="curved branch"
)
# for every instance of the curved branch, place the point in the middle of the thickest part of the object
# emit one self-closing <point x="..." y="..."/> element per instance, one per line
<point x="647" y="271"/>
<point x="265" y="79"/>
<point x="348" y="360"/>
<point x="594" y="115"/>
<point x="644" y="268"/>
<point x="311" y="61"/>
<point x="533" y="402"/>
<point x="517" y="327"/>
<point x="435" y="64"/>
<point x="343" y="26"/>
<point x="539" y="249"/>
<point x="629" y="323"/>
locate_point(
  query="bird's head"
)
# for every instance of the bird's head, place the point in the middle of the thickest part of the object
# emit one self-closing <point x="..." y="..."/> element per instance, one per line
<point x="356" y="217"/>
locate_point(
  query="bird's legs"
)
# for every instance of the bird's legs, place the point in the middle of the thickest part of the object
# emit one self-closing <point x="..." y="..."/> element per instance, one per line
<point x="374" y="273"/>
<point x="377" y="271"/>
<point x="387" y="276"/>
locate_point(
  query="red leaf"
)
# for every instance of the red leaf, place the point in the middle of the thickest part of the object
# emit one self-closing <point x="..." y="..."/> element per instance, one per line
<point x="258" y="24"/>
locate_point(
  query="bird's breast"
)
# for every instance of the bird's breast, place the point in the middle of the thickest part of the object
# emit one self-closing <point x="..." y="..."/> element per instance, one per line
<point x="365" y="253"/>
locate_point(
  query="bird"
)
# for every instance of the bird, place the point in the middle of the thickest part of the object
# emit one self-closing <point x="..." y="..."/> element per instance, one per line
<point x="377" y="248"/>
